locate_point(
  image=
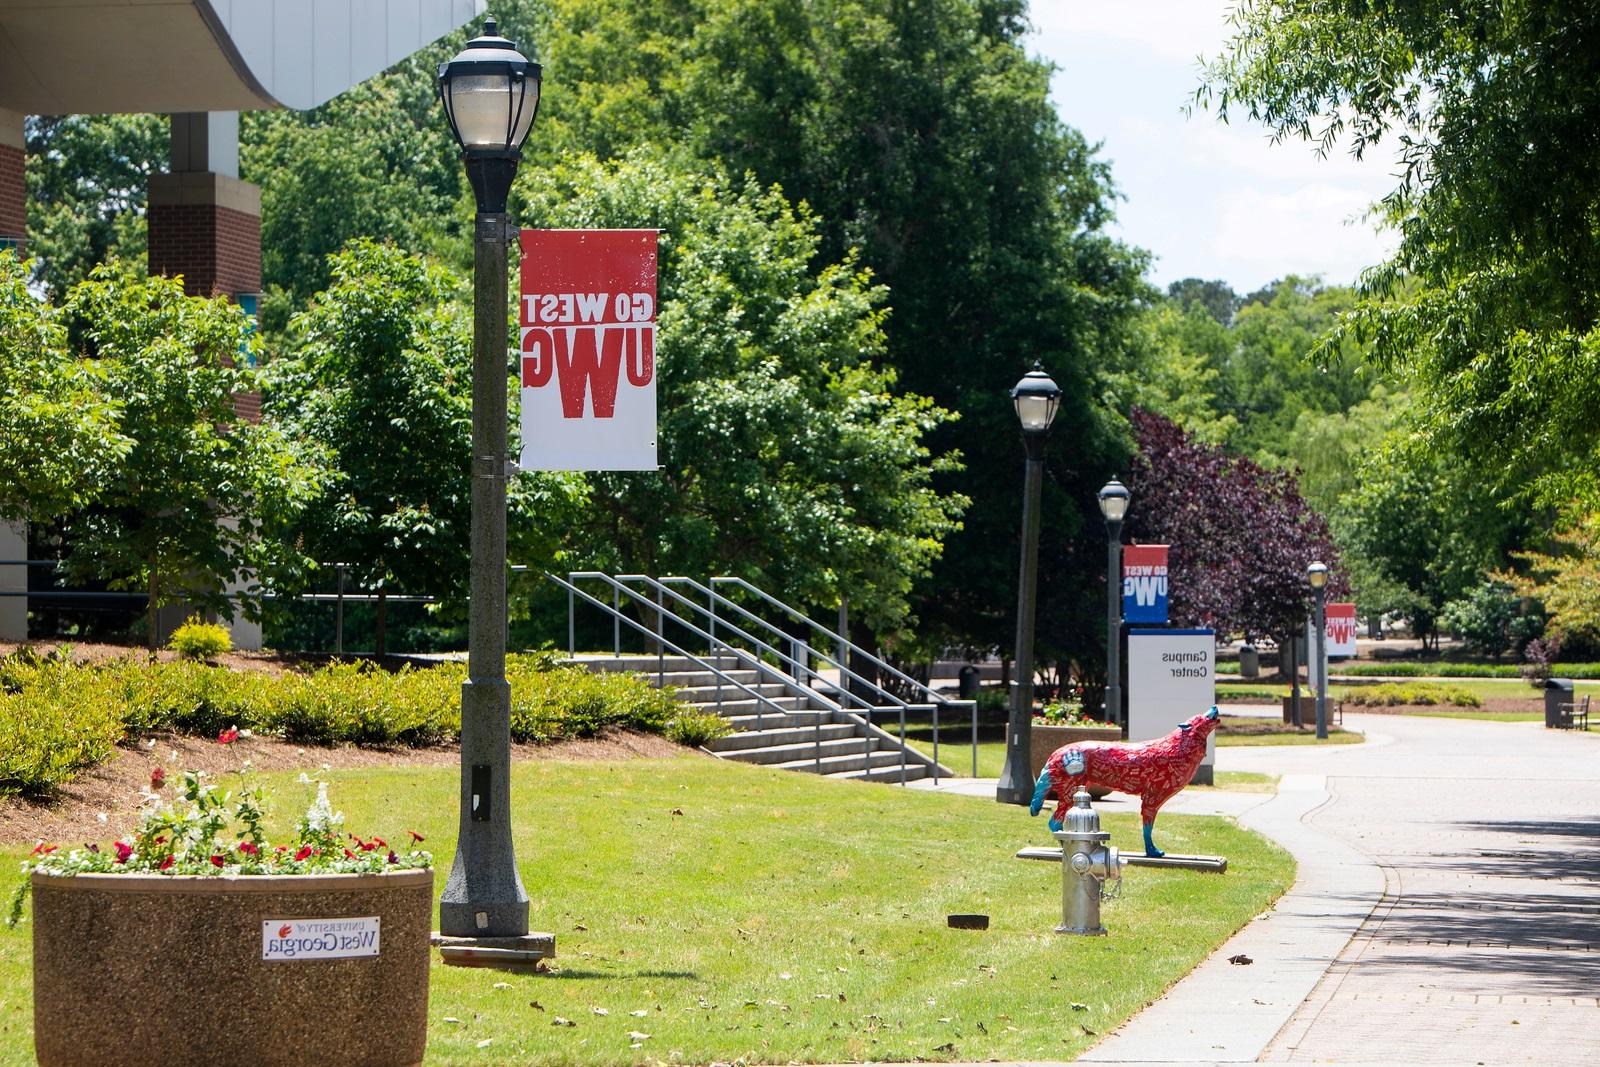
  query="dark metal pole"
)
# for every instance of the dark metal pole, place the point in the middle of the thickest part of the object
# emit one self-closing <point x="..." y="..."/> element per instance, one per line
<point x="1294" y="676"/>
<point x="1114" y="624"/>
<point x="1319" y="663"/>
<point x="484" y="895"/>
<point x="1016" y="779"/>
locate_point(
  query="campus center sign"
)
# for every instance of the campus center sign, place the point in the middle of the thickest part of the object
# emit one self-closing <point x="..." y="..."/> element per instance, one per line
<point x="1144" y="584"/>
<point x="588" y="341"/>
<point x="1172" y="676"/>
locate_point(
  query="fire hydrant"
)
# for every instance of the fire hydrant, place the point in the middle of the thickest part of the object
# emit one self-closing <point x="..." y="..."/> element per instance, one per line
<point x="1088" y="865"/>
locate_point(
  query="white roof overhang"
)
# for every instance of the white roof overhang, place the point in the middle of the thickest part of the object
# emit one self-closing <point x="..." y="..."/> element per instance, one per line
<point x="61" y="57"/>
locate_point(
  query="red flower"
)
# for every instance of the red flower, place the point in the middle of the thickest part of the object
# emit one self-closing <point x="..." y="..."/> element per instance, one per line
<point x="42" y="849"/>
<point x="249" y="848"/>
<point x="368" y="846"/>
<point x="123" y="851"/>
<point x="158" y="778"/>
<point x="281" y="849"/>
<point x="303" y="854"/>
<point x="380" y="842"/>
<point x="161" y="839"/>
<point x="166" y="862"/>
<point x="392" y="857"/>
<point x="418" y="838"/>
<point x="349" y="855"/>
<point x="228" y="736"/>
<point x="217" y="861"/>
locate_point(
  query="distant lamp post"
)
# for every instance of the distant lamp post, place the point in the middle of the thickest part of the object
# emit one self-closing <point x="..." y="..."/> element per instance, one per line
<point x="1036" y="399"/>
<point x="1317" y="575"/>
<point x="490" y="93"/>
<point x="1113" y="508"/>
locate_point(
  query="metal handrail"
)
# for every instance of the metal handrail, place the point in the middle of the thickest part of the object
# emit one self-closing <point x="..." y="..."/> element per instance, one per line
<point x="663" y="642"/>
<point x="808" y="690"/>
<point x="845" y="644"/>
<point x="798" y="644"/>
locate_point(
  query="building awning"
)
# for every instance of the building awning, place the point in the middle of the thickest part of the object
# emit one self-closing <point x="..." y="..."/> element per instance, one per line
<point x="61" y="57"/>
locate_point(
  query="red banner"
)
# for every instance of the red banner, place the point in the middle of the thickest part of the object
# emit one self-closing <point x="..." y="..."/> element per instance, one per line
<point x="588" y="371"/>
<point x="1341" y="629"/>
<point x="1144" y="583"/>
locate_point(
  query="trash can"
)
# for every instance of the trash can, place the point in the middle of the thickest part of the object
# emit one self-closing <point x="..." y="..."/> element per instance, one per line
<point x="967" y="680"/>
<point x="1249" y="662"/>
<point x="1557" y="691"/>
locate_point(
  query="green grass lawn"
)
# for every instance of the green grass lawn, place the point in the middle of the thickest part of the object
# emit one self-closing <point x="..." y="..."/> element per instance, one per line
<point x="1482" y="688"/>
<point x="1244" y="782"/>
<point x="769" y="917"/>
<point x="1242" y="730"/>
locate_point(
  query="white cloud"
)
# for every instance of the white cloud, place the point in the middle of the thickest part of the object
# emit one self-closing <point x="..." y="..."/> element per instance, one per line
<point x="1174" y="29"/>
<point x="1313" y="229"/>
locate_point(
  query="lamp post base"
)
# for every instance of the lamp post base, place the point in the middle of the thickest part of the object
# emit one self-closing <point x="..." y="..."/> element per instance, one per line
<point x="528" y="950"/>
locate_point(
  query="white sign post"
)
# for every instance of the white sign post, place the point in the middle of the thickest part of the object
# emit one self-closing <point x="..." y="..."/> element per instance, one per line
<point x="1172" y="677"/>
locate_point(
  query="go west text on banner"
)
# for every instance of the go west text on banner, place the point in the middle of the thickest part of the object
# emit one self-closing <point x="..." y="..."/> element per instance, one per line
<point x="588" y="339"/>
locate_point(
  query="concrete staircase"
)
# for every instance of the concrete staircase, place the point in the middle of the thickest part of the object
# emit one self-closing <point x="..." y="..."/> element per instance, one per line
<point x="791" y="729"/>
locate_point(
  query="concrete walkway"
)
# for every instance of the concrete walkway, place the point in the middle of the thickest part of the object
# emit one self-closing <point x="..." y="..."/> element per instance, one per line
<point x="1446" y="908"/>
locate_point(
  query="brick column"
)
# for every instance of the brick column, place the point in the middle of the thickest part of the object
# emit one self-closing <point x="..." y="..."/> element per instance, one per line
<point x="205" y="224"/>
<point x="13" y="183"/>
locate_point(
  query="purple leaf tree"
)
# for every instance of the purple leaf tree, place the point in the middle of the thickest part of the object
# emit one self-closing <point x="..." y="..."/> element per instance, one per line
<point x="1241" y="534"/>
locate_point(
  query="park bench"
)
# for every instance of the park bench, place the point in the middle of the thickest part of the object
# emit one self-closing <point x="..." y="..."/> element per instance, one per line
<point x="1574" y="715"/>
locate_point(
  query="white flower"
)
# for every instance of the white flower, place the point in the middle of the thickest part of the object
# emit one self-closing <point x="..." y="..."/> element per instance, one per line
<point x="247" y="733"/>
<point x="304" y="779"/>
<point x="321" y="817"/>
<point x="100" y="816"/>
<point x="150" y="743"/>
<point x="245" y="766"/>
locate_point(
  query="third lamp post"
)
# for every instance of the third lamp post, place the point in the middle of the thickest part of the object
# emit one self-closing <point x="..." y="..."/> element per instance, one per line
<point x="1036" y="399"/>
<point x="1113" y="508"/>
<point x="1317" y="575"/>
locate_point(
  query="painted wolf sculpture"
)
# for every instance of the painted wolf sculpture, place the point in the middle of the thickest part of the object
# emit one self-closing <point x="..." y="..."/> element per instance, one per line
<point x="1154" y="770"/>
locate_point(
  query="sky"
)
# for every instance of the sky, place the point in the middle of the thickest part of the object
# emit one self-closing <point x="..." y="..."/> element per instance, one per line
<point x="1208" y="200"/>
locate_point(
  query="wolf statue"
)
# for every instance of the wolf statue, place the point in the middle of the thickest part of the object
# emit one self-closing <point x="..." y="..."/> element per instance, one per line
<point x="1153" y="770"/>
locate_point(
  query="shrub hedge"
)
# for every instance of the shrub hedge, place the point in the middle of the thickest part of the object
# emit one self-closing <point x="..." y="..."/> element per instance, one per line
<point x="57" y="718"/>
<point x="1422" y="694"/>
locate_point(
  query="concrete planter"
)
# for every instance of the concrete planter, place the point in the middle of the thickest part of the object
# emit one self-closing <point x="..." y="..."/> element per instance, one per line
<point x="1044" y="740"/>
<point x="145" y="968"/>
<point x="1308" y="710"/>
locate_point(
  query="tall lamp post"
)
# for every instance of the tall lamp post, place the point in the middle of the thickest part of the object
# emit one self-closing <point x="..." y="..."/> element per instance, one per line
<point x="490" y="93"/>
<point x="1317" y="575"/>
<point x="1036" y="399"/>
<point x="1114" y="507"/>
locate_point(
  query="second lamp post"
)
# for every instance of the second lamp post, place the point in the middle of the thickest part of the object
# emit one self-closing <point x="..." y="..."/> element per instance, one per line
<point x="1036" y="399"/>
<point x="1113" y="507"/>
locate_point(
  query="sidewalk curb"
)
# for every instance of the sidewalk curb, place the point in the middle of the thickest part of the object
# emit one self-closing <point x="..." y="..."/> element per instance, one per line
<point x="1224" y="1013"/>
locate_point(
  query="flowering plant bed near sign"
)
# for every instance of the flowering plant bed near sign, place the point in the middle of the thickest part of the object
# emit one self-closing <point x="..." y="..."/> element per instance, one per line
<point x="199" y="941"/>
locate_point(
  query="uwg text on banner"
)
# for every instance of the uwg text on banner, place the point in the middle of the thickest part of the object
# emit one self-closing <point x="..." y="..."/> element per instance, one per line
<point x="588" y="364"/>
<point x="1144" y="583"/>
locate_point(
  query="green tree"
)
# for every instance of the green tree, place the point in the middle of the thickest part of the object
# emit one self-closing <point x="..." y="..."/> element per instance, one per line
<point x="923" y="136"/>
<point x="57" y="432"/>
<point x="88" y="180"/>
<point x="1492" y="299"/>
<point x="1419" y="532"/>
<point x="787" y="457"/>
<point x="1180" y="349"/>
<point x="377" y="375"/>
<point x="193" y="504"/>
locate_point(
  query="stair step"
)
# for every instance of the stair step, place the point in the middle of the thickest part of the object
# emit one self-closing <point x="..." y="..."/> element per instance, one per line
<point x="743" y="705"/>
<point x="791" y="735"/>
<point x="701" y="694"/>
<point x="914" y="772"/>
<point x="863" y="761"/>
<point x="695" y="679"/>
<point x="805" y="751"/>
<point x="778" y="720"/>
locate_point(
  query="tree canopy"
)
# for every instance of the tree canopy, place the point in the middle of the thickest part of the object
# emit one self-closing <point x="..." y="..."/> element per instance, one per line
<point x="1491" y="300"/>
